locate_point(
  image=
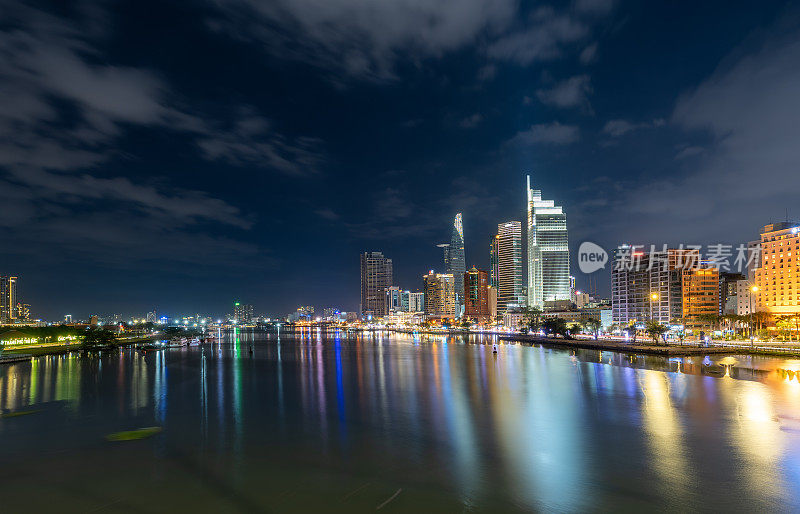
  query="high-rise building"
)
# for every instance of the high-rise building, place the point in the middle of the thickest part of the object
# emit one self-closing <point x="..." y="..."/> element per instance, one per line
<point x="548" y="250"/>
<point x="376" y="278"/>
<point x="494" y="252"/>
<point x="746" y="298"/>
<point x="778" y="276"/>
<point x="23" y="312"/>
<point x="440" y="298"/>
<point x="476" y="294"/>
<point x="648" y="285"/>
<point x="394" y="302"/>
<point x="458" y="262"/>
<point x="8" y="299"/>
<point x="454" y="258"/>
<point x="416" y="302"/>
<point x="242" y="313"/>
<point x="507" y="248"/>
<point x="700" y="291"/>
<point x="492" y="297"/>
<point x="729" y="287"/>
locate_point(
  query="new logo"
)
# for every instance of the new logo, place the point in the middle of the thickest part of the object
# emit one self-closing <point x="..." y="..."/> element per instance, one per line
<point x="591" y="257"/>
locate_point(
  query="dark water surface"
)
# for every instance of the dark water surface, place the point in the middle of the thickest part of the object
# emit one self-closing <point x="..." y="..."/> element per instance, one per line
<point x="324" y="422"/>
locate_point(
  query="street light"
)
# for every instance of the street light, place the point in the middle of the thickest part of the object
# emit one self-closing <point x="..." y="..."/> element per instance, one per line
<point x="753" y="290"/>
<point x="653" y="297"/>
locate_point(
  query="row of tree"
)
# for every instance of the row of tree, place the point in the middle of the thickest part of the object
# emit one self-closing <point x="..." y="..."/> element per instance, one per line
<point x="534" y="320"/>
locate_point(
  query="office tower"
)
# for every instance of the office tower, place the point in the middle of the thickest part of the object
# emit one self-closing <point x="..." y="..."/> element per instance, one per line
<point x="458" y="263"/>
<point x="376" y="278"/>
<point x="416" y="302"/>
<point x="242" y="313"/>
<point x="729" y="291"/>
<point x="700" y="295"/>
<point x="439" y="295"/>
<point x="548" y="250"/>
<point x="508" y="251"/>
<point x="393" y="299"/>
<point x="23" y="312"/>
<point x="494" y="250"/>
<point x="778" y="275"/>
<point x="649" y="285"/>
<point x="8" y="299"/>
<point x="404" y="300"/>
<point x="454" y="259"/>
<point x="476" y="294"/>
<point x="492" y="296"/>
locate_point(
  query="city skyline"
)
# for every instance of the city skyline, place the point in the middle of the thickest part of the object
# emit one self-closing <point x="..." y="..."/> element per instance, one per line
<point x="169" y="166"/>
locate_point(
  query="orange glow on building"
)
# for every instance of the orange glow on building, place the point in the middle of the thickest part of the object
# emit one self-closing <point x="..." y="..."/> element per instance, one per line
<point x="778" y="274"/>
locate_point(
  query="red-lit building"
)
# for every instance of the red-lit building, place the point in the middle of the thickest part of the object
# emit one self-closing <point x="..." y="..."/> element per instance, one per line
<point x="476" y="294"/>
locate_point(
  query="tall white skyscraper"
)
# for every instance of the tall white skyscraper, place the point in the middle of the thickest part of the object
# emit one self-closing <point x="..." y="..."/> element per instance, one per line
<point x="548" y="250"/>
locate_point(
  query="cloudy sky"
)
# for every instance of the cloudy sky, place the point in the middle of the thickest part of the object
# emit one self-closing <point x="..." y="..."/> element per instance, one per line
<point x="180" y="155"/>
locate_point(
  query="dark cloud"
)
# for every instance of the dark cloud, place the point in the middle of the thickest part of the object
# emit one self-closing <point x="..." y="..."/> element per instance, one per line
<point x="546" y="133"/>
<point x="619" y="127"/>
<point x="748" y="174"/>
<point x="63" y="110"/>
<point x="361" y="39"/>
<point x="573" y="92"/>
<point x="542" y="39"/>
<point x="471" y="121"/>
<point x="251" y="141"/>
<point x="588" y="54"/>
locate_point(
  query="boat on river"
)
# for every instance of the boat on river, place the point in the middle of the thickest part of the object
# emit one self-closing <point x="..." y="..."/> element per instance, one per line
<point x="177" y="342"/>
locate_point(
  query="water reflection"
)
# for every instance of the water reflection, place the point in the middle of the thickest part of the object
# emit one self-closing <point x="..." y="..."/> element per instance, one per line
<point x="526" y="428"/>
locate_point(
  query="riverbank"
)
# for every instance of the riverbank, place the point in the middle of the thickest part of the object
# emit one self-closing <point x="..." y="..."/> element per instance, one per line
<point x="59" y="349"/>
<point x="643" y="347"/>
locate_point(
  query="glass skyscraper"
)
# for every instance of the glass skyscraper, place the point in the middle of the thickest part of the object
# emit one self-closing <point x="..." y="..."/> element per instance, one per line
<point x="455" y="262"/>
<point x="548" y="250"/>
<point x="376" y="278"/>
<point x="507" y="266"/>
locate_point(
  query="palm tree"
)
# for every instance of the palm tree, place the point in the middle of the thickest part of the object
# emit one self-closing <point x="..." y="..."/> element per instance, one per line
<point x="556" y="326"/>
<point x="532" y="318"/>
<point x="594" y="325"/>
<point x="631" y="331"/>
<point x="655" y="330"/>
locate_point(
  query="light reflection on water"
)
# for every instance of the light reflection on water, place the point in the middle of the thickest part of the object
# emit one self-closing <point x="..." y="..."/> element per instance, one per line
<point x="443" y="419"/>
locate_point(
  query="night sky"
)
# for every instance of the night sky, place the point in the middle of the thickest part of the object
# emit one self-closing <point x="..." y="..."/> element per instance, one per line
<point x="182" y="155"/>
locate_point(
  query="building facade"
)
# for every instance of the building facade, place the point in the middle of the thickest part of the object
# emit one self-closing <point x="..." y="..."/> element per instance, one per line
<point x="548" y="250"/>
<point x="700" y="290"/>
<point x="729" y="292"/>
<point x="376" y="278"/>
<point x="416" y="302"/>
<point x="440" y="298"/>
<point x="394" y="299"/>
<point x="476" y="294"/>
<point x="455" y="261"/>
<point x="507" y="247"/>
<point x="8" y="299"/>
<point x="242" y="313"/>
<point x="778" y="275"/>
<point x="648" y="285"/>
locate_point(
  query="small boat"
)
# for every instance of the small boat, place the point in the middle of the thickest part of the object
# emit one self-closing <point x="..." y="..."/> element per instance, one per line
<point x="195" y="341"/>
<point x="177" y="342"/>
<point x="152" y="347"/>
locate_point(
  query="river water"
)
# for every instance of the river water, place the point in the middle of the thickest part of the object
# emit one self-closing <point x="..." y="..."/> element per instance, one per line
<point x="320" y="422"/>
